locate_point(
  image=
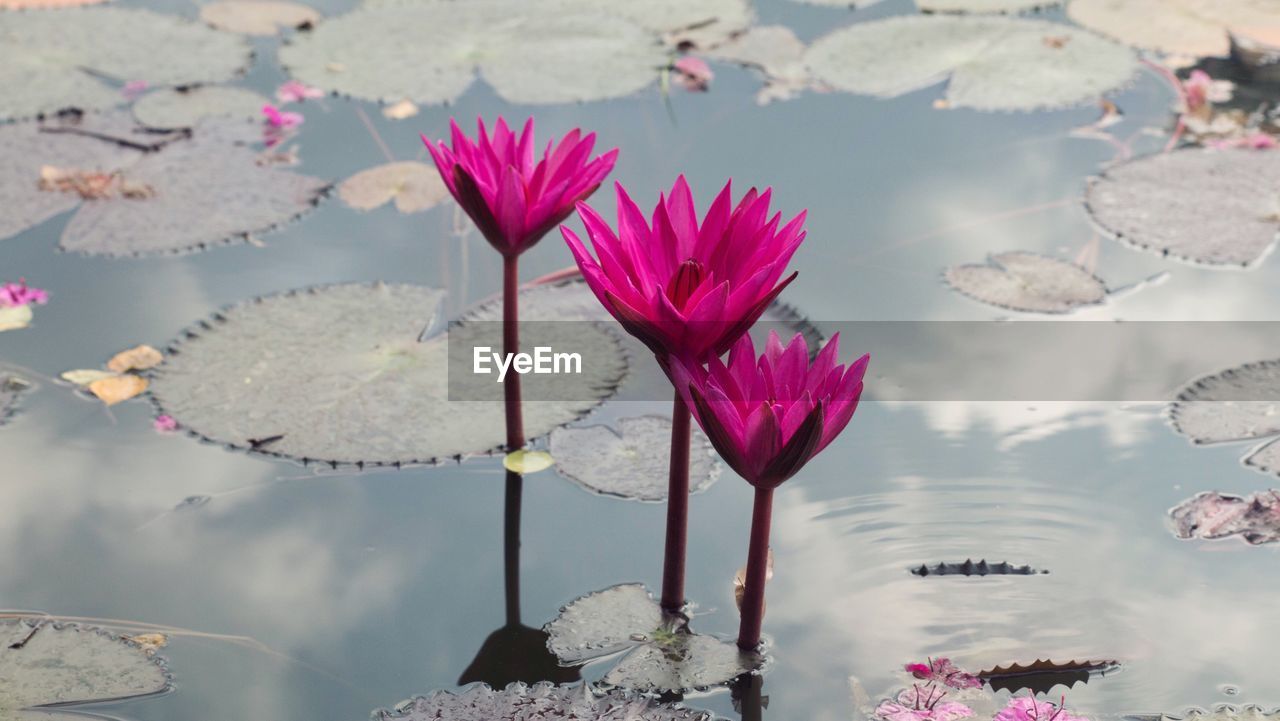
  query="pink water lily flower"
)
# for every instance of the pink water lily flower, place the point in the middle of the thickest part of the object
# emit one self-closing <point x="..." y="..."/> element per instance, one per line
<point x="927" y="704"/>
<point x="296" y="92"/>
<point x="283" y="119"/>
<point x="768" y="416"/>
<point x="1200" y="90"/>
<point x="682" y="287"/>
<point x="693" y="74"/>
<point x="1027" y="708"/>
<point x="941" y="670"/>
<point x="17" y="294"/>
<point x="514" y="197"/>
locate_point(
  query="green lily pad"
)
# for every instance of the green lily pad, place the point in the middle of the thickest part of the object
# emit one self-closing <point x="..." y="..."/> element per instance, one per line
<point x="1028" y="282"/>
<point x="992" y="63"/>
<point x="60" y="59"/>
<point x="540" y="702"/>
<point x="630" y="462"/>
<point x="186" y="107"/>
<point x="43" y="663"/>
<point x="336" y="374"/>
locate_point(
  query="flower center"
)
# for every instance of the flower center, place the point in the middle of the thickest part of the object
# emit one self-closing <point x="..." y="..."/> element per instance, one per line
<point x="684" y="282"/>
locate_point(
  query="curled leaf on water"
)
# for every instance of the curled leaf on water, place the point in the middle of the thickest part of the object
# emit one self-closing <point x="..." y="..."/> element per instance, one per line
<point x="969" y="567"/>
<point x="46" y="663"/>
<point x="1237" y="404"/>
<point x="519" y="702"/>
<point x="659" y="652"/>
<point x="1042" y="675"/>
<point x="137" y="358"/>
<point x="413" y="186"/>
<point x="526" y="462"/>
<point x="740" y="579"/>
<point x="149" y="642"/>
<point x="258" y="17"/>
<point x="118" y="389"/>
<point x="630" y="462"/>
<point x="1211" y="515"/>
<point x="1028" y="282"/>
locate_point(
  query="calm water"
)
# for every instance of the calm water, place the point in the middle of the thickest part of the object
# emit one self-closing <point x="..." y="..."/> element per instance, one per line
<point x="370" y="588"/>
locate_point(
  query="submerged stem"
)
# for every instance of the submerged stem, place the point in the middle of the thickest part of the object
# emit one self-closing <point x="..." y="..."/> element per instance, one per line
<point x="511" y="346"/>
<point x="511" y="546"/>
<point x="757" y="569"/>
<point x="677" y="508"/>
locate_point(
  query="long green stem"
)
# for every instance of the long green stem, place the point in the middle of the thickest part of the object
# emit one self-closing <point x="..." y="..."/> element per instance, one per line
<point x="677" y="509"/>
<point x="757" y="568"/>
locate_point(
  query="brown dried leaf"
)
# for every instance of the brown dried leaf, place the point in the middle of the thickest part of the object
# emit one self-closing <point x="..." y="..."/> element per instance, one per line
<point x="401" y="110"/>
<point x="118" y="388"/>
<point x="150" y="642"/>
<point x="140" y="358"/>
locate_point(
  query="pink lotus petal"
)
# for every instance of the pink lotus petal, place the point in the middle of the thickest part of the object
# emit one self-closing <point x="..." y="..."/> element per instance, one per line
<point x="16" y="294"/>
<point x="133" y="89"/>
<point x="296" y="92"/>
<point x="693" y="74"/>
<point x="277" y="118"/>
<point x="165" y="424"/>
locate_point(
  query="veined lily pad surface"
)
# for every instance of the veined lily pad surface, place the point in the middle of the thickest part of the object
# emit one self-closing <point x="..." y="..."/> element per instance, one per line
<point x="519" y="702"/>
<point x="1237" y="404"/>
<point x="1028" y="282"/>
<point x="186" y="107"/>
<point x="631" y="461"/>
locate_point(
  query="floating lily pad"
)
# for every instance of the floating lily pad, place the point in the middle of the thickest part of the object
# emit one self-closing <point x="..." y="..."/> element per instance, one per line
<point x="43" y="663"/>
<point x="12" y="388"/>
<point x="336" y="374"/>
<point x="1213" y="515"/>
<point x="773" y="51"/>
<point x="1028" y="282"/>
<point x="1221" y="712"/>
<point x="1182" y="27"/>
<point x="632" y="461"/>
<point x="258" y="17"/>
<point x="429" y="51"/>
<point x="662" y="653"/>
<point x="993" y="63"/>
<point x="186" y="107"/>
<point x="1042" y="675"/>
<point x="536" y="703"/>
<point x="56" y="60"/>
<point x="1216" y="207"/>
<point x="970" y="568"/>
<point x="1238" y="404"/>
<point x="413" y="186"/>
<point x="950" y="6"/>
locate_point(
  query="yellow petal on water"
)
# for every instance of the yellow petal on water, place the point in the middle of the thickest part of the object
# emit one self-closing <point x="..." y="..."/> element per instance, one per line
<point x="139" y="358"/>
<point x="400" y="111"/>
<point x="150" y="642"/>
<point x="526" y="462"/>
<point x="84" y="377"/>
<point x="740" y="579"/>
<point x="118" y="388"/>
<point x="15" y="317"/>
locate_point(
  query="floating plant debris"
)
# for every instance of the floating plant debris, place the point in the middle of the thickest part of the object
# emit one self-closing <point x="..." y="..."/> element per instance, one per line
<point x="186" y="107"/>
<point x="251" y="378"/>
<point x="1029" y="708"/>
<point x="993" y="63"/>
<point x="526" y="462"/>
<point x="529" y="51"/>
<point x="943" y="671"/>
<point x="663" y="654"/>
<point x="630" y="462"/>
<point x="922" y="704"/>
<point x="1041" y="676"/>
<point x="12" y="388"/>
<point x="56" y="60"/>
<point x="1255" y="518"/>
<point x="258" y="17"/>
<point x="1224" y="407"/>
<point x="534" y="703"/>
<point x="1225" y="213"/>
<point x="773" y="51"/>
<point x="45" y="663"/>
<point x="1028" y="282"/>
<point x="1180" y="27"/>
<point x="971" y="568"/>
<point x="413" y="186"/>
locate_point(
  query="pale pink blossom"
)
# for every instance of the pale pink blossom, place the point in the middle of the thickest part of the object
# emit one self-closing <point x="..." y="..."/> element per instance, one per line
<point x="941" y="670"/>
<point x="283" y="119"/>
<point x="1256" y="141"/>
<point x="922" y="704"/>
<point x="16" y="294"/>
<point x="296" y="92"/>
<point x="165" y="423"/>
<point x="133" y="89"/>
<point x="693" y="74"/>
<point x="1027" y="708"/>
<point x="1201" y="90"/>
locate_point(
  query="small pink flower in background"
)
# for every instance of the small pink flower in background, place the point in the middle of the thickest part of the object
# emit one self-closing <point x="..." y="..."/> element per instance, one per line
<point x="1027" y="708"/>
<point x="922" y="704"/>
<point x="165" y="423"/>
<point x="1201" y="90"/>
<point x="133" y="89"/>
<point x="941" y="670"/>
<point x="16" y="294"/>
<point x="693" y="74"/>
<point x="1255" y="141"/>
<point x="296" y="92"/>
<point x="283" y="119"/>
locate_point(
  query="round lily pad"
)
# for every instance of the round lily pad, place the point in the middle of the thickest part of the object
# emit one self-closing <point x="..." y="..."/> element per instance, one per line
<point x="429" y="51"/>
<point x="993" y="63"/>
<point x="662" y="653"/>
<point x="1028" y="282"/>
<point x="336" y="374"/>
<point x="45" y="663"/>
<point x="1238" y="404"/>
<point x="1215" y="207"/>
<point x="1182" y="27"/>
<point x="413" y="186"/>
<point x="631" y="462"/>
<point x="519" y="702"/>
<point x="774" y="52"/>
<point x="55" y="60"/>
<point x="258" y="17"/>
<point x="951" y="6"/>
<point x="186" y="107"/>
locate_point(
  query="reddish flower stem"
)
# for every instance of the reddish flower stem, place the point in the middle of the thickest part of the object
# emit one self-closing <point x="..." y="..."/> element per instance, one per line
<point x="511" y="346"/>
<point x="757" y="567"/>
<point x="511" y="546"/>
<point x="677" y="509"/>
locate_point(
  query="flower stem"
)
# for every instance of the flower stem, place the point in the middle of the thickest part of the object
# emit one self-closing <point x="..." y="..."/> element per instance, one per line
<point x="757" y="568"/>
<point x="511" y="346"/>
<point x="511" y="546"/>
<point x="677" y="509"/>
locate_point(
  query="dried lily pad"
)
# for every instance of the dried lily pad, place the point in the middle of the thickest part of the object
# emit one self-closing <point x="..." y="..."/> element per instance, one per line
<point x="413" y="186"/>
<point x="1182" y="27"/>
<point x="1216" y="207"/>
<point x="258" y="17"/>
<point x="336" y="374"/>
<point x="429" y="51"/>
<point x="993" y="63"/>
<point x="1028" y="282"/>
<point x="1041" y="676"/>
<point x="206" y="192"/>
<point x="12" y="388"/>
<point x="1238" y="404"/>
<point x="536" y="703"/>
<point x="52" y="61"/>
<point x="631" y="462"/>
<point x="662" y="653"/>
<point x="773" y="51"/>
<point x="1212" y="515"/>
<point x="43" y="663"/>
<point x="969" y="568"/>
<point x="186" y="107"/>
